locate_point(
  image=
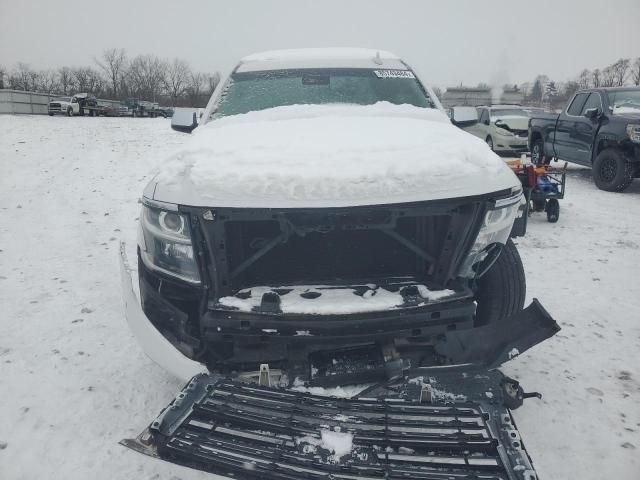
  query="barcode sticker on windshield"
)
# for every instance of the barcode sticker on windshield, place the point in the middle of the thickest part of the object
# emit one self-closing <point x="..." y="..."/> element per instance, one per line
<point x="394" y="74"/>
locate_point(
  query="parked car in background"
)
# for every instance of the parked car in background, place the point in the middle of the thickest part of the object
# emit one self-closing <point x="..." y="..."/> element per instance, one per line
<point x="64" y="105"/>
<point x="115" y="110"/>
<point x="78" y="104"/>
<point x="599" y="128"/>
<point x="503" y="127"/>
<point x="142" y="108"/>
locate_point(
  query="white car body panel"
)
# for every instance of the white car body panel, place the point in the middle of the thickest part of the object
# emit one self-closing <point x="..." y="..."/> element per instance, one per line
<point x="154" y="345"/>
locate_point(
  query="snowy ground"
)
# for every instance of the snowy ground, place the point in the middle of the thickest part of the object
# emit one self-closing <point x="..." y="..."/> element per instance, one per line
<point x="73" y="382"/>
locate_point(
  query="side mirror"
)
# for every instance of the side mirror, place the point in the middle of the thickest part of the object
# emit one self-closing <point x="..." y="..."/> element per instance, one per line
<point x="592" y="112"/>
<point x="184" y="120"/>
<point x="464" y="116"/>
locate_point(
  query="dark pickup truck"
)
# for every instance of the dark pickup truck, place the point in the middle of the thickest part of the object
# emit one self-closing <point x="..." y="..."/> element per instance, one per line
<point x="599" y="128"/>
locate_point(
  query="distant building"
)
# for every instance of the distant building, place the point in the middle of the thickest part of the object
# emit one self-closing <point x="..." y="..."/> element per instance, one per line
<point x="480" y="96"/>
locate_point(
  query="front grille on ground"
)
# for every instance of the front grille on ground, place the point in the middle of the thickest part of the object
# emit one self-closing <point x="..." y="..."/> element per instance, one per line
<point x="248" y="431"/>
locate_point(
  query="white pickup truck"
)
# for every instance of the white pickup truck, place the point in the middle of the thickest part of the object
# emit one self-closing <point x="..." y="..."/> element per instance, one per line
<point x="75" y="105"/>
<point x="66" y="105"/>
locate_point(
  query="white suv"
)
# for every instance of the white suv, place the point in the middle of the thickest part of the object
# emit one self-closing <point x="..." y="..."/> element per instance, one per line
<point x="327" y="224"/>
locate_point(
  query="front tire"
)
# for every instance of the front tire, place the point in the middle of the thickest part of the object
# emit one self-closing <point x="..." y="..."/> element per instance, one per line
<point x="612" y="171"/>
<point x="501" y="291"/>
<point x="538" y="157"/>
<point x="69" y="112"/>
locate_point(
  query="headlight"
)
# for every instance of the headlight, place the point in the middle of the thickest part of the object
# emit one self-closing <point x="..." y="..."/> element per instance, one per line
<point x="633" y="132"/>
<point x="166" y="243"/>
<point x="503" y="131"/>
<point x="496" y="228"/>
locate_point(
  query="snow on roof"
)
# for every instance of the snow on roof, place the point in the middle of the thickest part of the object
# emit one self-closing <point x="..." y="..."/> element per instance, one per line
<point x="320" y="58"/>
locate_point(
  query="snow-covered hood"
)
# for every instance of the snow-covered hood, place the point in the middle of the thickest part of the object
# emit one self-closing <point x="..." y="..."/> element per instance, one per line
<point x="329" y="156"/>
<point x="513" y="122"/>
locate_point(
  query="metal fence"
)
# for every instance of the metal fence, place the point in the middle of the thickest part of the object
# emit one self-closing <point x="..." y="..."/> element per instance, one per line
<point x="31" y="103"/>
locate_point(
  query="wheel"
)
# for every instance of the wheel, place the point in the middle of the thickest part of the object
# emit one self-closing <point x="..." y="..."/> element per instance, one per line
<point x="612" y="171"/>
<point x="51" y="114"/>
<point x="69" y="112"/>
<point x="553" y="210"/>
<point x="537" y="153"/>
<point x="92" y="113"/>
<point x="489" y="141"/>
<point x="501" y="290"/>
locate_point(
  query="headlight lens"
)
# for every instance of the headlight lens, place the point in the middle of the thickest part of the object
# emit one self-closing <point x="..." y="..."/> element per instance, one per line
<point x="496" y="228"/>
<point x="633" y="132"/>
<point x="502" y="131"/>
<point x="166" y="245"/>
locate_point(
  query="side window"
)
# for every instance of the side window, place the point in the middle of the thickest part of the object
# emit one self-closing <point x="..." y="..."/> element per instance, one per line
<point x="593" y="101"/>
<point x="576" y="106"/>
<point x="484" y="117"/>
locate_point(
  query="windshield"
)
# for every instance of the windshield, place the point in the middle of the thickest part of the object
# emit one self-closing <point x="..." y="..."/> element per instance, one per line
<point x="624" y="101"/>
<point x="508" y="112"/>
<point x="250" y="91"/>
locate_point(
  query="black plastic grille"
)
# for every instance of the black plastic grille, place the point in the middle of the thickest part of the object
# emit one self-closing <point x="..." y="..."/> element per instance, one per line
<point x="248" y="431"/>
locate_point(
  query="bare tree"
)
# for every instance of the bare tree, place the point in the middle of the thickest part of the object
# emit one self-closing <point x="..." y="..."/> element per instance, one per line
<point x="569" y="88"/>
<point x="213" y="80"/>
<point x="3" y="72"/>
<point x="66" y="80"/>
<point x="608" y="77"/>
<point x="88" y="80"/>
<point x="23" y="78"/>
<point x="176" y="79"/>
<point x="620" y="71"/>
<point x="114" y="65"/>
<point x="596" y="78"/>
<point x="47" y="81"/>
<point x="584" y="80"/>
<point x="195" y="88"/>
<point x="146" y="74"/>
<point x="81" y="79"/>
<point x="635" y="72"/>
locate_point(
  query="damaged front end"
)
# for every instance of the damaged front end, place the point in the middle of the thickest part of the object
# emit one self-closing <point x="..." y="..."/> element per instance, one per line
<point x="235" y="287"/>
<point x="278" y="303"/>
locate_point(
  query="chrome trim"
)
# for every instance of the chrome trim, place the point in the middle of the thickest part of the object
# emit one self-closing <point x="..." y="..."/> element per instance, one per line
<point x="505" y="202"/>
<point x="170" y="207"/>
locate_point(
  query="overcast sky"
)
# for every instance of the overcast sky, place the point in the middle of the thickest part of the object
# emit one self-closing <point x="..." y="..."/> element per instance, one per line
<point x="449" y="42"/>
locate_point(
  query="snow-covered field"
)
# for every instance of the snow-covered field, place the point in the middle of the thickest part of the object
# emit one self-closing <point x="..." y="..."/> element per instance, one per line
<point x="73" y="382"/>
